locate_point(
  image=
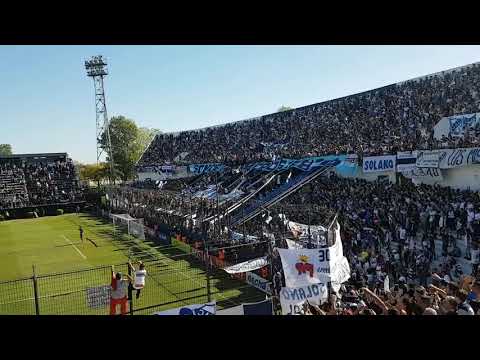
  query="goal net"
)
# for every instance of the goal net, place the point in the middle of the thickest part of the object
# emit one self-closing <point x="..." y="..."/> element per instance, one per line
<point x="131" y="225"/>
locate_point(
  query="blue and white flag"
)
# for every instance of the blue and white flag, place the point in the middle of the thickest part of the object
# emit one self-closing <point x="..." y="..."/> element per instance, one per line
<point x="196" y="309"/>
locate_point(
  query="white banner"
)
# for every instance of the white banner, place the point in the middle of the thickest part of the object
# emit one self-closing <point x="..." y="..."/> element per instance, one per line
<point x="406" y="161"/>
<point x="293" y="244"/>
<point x="239" y="237"/>
<point x="452" y="158"/>
<point x="98" y="297"/>
<point x="203" y="309"/>
<point x="303" y="267"/>
<point x="424" y="173"/>
<point x="379" y="163"/>
<point x="249" y="265"/>
<point x="258" y="282"/>
<point x="428" y="159"/>
<point x="300" y="231"/>
<point x="292" y="299"/>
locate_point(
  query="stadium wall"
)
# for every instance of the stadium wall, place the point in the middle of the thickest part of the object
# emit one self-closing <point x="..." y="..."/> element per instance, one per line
<point x="463" y="178"/>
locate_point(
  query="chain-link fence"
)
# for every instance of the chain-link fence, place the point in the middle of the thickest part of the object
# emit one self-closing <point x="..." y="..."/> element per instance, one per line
<point x="172" y="281"/>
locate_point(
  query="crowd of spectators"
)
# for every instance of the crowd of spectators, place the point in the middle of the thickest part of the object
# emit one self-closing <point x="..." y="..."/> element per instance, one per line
<point x="402" y="230"/>
<point x="13" y="192"/>
<point x="25" y="184"/>
<point x="385" y="120"/>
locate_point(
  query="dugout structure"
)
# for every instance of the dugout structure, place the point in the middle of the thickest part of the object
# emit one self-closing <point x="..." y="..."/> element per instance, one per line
<point x="131" y="225"/>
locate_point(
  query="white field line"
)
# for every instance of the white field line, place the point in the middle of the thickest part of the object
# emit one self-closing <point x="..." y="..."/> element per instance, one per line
<point x="68" y="240"/>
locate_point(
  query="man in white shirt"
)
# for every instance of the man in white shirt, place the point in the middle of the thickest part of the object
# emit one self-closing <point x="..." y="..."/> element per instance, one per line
<point x="139" y="279"/>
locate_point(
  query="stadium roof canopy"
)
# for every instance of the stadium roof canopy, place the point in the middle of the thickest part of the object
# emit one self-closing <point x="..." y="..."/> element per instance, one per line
<point x="34" y="156"/>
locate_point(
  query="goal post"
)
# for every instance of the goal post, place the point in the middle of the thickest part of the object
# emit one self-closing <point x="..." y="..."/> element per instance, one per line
<point x="134" y="227"/>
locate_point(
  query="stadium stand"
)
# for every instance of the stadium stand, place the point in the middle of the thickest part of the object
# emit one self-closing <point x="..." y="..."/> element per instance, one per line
<point x="37" y="179"/>
<point x="385" y="120"/>
<point x="416" y="233"/>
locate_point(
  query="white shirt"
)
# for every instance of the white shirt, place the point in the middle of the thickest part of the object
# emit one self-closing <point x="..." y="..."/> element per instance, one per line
<point x="402" y="233"/>
<point x="470" y="216"/>
<point x="475" y="256"/>
<point x="140" y="278"/>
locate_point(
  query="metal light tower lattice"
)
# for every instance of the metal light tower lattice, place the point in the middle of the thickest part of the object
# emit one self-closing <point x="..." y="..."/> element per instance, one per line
<point x="97" y="68"/>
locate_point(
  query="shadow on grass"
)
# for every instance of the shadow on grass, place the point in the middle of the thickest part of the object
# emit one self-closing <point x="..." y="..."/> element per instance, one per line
<point x="174" y="265"/>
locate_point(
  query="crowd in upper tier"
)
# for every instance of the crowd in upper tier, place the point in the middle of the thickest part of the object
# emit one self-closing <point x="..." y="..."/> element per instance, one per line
<point x="385" y="120"/>
<point x="25" y="184"/>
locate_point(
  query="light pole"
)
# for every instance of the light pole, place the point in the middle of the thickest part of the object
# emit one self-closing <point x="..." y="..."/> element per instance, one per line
<point x="97" y="68"/>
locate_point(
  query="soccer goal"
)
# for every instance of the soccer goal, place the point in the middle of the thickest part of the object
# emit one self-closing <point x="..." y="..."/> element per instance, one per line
<point x="131" y="225"/>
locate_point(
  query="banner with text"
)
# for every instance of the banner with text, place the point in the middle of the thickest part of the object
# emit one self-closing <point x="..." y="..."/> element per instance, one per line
<point x="258" y="282"/>
<point x="303" y="267"/>
<point x="98" y="297"/>
<point x="428" y="159"/>
<point x="379" y="163"/>
<point x="452" y="158"/>
<point x="424" y="173"/>
<point x="292" y="299"/>
<point x="206" y="168"/>
<point x="306" y="164"/>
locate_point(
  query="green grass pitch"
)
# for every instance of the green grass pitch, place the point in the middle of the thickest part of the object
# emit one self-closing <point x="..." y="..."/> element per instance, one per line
<point x="53" y="245"/>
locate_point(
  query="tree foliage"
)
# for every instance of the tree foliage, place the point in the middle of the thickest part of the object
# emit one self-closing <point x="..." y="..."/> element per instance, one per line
<point x="93" y="172"/>
<point x="5" y="149"/>
<point x="284" y="108"/>
<point x="128" y="143"/>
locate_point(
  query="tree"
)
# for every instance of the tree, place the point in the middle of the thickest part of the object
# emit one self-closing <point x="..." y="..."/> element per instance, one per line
<point x="145" y="136"/>
<point x="128" y="143"/>
<point x="284" y="108"/>
<point x="93" y="172"/>
<point x="5" y="149"/>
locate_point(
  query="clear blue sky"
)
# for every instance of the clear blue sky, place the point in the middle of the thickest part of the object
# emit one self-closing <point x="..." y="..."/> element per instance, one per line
<point x="47" y="101"/>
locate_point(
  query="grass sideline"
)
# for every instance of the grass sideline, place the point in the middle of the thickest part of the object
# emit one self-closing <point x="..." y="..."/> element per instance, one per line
<point x="53" y="245"/>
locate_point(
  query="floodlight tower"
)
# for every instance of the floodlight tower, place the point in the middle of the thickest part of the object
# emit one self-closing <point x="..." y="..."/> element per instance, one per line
<point x="97" y="68"/>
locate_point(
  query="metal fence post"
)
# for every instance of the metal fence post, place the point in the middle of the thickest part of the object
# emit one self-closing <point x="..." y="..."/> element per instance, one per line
<point x="35" y="291"/>
<point x="209" y="291"/>
<point x="130" y="291"/>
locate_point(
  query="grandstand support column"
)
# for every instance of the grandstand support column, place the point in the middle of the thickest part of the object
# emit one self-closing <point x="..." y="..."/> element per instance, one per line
<point x="96" y="69"/>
